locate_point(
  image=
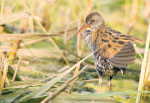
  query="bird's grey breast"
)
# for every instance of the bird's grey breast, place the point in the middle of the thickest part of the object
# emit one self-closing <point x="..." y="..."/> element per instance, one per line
<point x="88" y="38"/>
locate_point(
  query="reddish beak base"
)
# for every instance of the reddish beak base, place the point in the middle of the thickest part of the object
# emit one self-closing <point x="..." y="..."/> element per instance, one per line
<point x="82" y="28"/>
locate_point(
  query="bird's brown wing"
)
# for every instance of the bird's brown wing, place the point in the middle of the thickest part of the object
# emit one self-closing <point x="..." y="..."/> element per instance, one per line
<point x="125" y="56"/>
<point x="117" y="48"/>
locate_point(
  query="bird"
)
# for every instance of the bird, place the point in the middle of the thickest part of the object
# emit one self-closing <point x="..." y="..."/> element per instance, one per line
<point x="113" y="50"/>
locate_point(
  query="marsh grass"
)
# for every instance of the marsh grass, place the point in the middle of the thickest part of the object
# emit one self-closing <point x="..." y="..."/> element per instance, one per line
<point x="144" y="65"/>
<point x="32" y="21"/>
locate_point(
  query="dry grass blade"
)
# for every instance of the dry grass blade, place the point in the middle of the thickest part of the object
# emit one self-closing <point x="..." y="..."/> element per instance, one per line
<point x="147" y="72"/>
<point x="63" y="69"/>
<point x="15" y="46"/>
<point x="31" y="23"/>
<point x="49" y="98"/>
<point x="6" y="37"/>
<point x="66" y="26"/>
<point x="13" y="17"/>
<point x="130" y="28"/>
<point x="79" y="52"/>
<point x="60" y="76"/>
<point x="0" y="77"/>
<point x="2" y="9"/>
<point x="49" y="84"/>
<point x="146" y="10"/>
<point x="75" y="72"/>
<point x="134" y="11"/>
<point x="143" y="68"/>
<point x="133" y="21"/>
<point x="138" y="52"/>
<point x="7" y="81"/>
<point x="50" y="77"/>
<point x="16" y="70"/>
<point x="35" y="41"/>
<point x="53" y="42"/>
<point x="32" y="42"/>
<point x="6" y="63"/>
<point x="79" y="44"/>
<point x="44" y="30"/>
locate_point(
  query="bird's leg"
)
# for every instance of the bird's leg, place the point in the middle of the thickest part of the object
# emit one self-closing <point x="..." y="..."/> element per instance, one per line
<point x="100" y="80"/>
<point x="109" y="82"/>
<point x="100" y="84"/>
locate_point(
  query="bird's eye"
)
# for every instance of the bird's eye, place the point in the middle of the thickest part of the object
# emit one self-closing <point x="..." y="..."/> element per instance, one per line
<point x="92" y="21"/>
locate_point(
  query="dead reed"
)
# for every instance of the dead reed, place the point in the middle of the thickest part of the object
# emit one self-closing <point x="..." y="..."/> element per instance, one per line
<point x="38" y="35"/>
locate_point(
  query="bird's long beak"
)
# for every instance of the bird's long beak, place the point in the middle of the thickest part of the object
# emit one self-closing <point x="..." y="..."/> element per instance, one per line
<point x="82" y="28"/>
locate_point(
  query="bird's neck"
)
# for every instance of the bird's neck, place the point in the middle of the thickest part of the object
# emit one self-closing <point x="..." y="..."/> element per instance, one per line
<point x="91" y="38"/>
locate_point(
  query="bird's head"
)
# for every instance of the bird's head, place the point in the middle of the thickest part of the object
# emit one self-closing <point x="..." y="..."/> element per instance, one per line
<point x="94" y="22"/>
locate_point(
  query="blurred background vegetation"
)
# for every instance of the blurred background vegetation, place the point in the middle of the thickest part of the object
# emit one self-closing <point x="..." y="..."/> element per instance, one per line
<point x="29" y="61"/>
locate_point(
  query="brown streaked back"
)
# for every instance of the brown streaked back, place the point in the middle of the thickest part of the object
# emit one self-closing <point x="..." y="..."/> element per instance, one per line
<point x="118" y="48"/>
